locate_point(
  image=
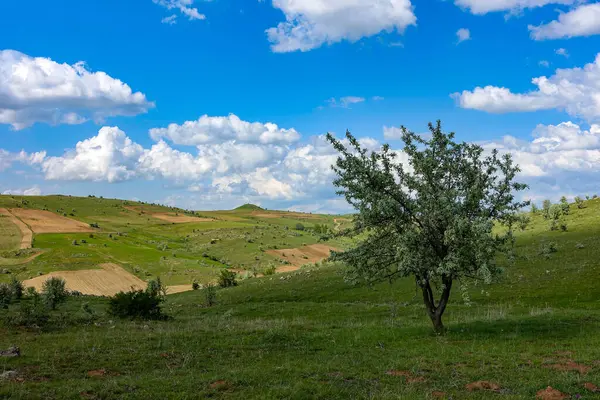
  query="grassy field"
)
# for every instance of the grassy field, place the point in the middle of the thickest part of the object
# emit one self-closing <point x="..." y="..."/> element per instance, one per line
<point x="10" y="236"/>
<point x="147" y="246"/>
<point x="308" y="334"/>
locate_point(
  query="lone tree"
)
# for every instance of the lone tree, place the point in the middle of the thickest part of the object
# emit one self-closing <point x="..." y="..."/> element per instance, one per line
<point x="431" y="217"/>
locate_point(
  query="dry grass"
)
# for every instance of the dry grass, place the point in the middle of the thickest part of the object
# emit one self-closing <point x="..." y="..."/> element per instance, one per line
<point x="40" y="221"/>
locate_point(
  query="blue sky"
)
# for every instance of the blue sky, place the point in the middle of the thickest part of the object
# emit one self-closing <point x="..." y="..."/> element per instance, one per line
<point x="151" y="63"/>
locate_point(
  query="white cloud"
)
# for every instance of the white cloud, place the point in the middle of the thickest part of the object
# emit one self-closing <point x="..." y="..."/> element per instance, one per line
<point x="575" y="90"/>
<point x="486" y="6"/>
<point x="392" y="133"/>
<point x="170" y="20"/>
<point x="311" y="23"/>
<point x="218" y="129"/>
<point x="8" y="158"/>
<point x="544" y="63"/>
<point x="33" y="191"/>
<point x="41" y="90"/>
<point x="463" y="34"/>
<point x="581" y="21"/>
<point x="184" y="6"/>
<point x="562" y="52"/>
<point x="345" y="102"/>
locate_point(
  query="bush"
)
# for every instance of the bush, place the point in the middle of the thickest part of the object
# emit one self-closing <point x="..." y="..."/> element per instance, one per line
<point x="54" y="292"/>
<point x="227" y="278"/>
<point x="299" y="227"/>
<point x="579" y="202"/>
<point x="136" y="304"/>
<point x="156" y="288"/>
<point x="5" y="295"/>
<point x="17" y="289"/>
<point x="195" y="285"/>
<point x="564" y="204"/>
<point x="547" y="248"/>
<point x="210" y="295"/>
<point x="271" y="270"/>
<point x="31" y="314"/>
<point x="546" y="208"/>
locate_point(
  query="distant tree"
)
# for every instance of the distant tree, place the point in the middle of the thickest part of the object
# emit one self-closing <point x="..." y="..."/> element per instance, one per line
<point x="579" y="202"/>
<point x="546" y="208"/>
<point x="54" y="292"/>
<point x="564" y="205"/>
<point x="534" y="209"/>
<point x="299" y="227"/>
<point x="430" y="218"/>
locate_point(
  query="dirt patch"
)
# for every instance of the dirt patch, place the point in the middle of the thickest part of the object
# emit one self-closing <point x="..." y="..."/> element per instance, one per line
<point x="40" y="221"/>
<point x="570" y="365"/>
<point x="302" y="255"/>
<point x="97" y="373"/>
<point x="550" y="394"/>
<point x="179" y="219"/>
<point x="483" y="385"/>
<point x="591" y="387"/>
<point x="26" y="234"/>
<point x="107" y="281"/>
<point x="179" y="289"/>
<point x="438" y="395"/>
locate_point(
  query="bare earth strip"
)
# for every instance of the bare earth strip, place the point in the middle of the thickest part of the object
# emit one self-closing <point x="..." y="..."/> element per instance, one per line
<point x="26" y="234"/>
<point x="302" y="255"/>
<point x="47" y="222"/>
<point x="179" y="219"/>
<point x="108" y="281"/>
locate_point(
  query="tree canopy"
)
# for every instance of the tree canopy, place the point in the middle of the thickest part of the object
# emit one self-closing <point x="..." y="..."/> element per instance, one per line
<point x="432" y="216"/>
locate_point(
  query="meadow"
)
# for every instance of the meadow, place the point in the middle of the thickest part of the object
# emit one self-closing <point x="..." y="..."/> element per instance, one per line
<point x="305" y="334"/>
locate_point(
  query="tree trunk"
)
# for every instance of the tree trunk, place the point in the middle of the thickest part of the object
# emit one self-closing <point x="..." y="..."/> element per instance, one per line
<point x="434" y="311"/>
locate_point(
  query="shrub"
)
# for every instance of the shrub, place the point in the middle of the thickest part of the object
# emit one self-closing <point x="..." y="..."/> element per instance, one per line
<point x="563" y="226"/>
<point x="534" y="209"/>
<point x="546" y="208"/>
<point x="74" y="243"/>
<point x="270" y="270"/>
<point x="156" y="288"/>
<point x="579" y="202"/>
<point x="564" y="204"/>
<point x="5" y="295"/>
<point x="136" y="304"/>
<point x="195" y="285"/>
<point x="210" y="295"/>
<point x="94" y="225"/>
<point x="54" y="292"/>
<point x="17" y="289"/>
<point x="547" y="248"/>
<point x="227" y="278"/>
<point x="299" y="227"/>
<point x="31" y="314"/>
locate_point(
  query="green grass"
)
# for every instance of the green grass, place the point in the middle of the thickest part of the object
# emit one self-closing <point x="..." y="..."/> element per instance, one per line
<point x="310" y="335"/>
<point x="10" y="236"/>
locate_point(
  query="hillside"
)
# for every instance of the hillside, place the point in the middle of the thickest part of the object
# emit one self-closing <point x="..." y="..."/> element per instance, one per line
<point x="307" y="333"/>
<point x="72" y="234"/>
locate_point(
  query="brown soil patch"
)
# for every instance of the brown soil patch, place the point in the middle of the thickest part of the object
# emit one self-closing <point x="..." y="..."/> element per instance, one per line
<point x="40" y="221"/>
<point x="570" y="365"/>
<point x="26" y="234"/>
<point x="107" y="281"/>
<point x="550" y="394"/>
<point x="591" y="387"/>
<point x="437" y="394"/>
<point x="179" y="289"/>
<point x="179" y="219"/>
<point x="219" y="385"/>
<point x="96" y="373"/>
<point x="302" y="255"/>
<point x="482" y="385"/>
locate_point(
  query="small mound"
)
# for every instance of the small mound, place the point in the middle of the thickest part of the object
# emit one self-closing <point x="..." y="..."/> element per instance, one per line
<point x="248" y="207"/>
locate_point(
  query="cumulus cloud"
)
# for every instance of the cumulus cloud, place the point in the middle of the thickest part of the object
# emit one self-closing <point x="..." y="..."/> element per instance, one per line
<point x="463" y="34"/>
<point x="37" y="89"/>
<point x="184" y="7"/>
<point x="32" y="191"/>
<point x="486" y="6"/>
<point x="311" y="23"/>
<point x="575" y="90"/>
<point x="581" y="21"/>
<point x="207" y="130"/>
<point x="347" y="101"/>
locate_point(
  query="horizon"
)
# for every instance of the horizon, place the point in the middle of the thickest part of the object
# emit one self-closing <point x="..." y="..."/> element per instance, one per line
<point x="232" y="103"/>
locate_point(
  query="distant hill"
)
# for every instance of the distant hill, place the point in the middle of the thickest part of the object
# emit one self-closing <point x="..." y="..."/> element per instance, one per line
<point x="249" y="207"/>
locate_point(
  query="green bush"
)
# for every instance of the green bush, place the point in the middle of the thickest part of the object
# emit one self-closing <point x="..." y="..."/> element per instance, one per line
<point x="54" y="292"/>
<point x="136" y="304"/>
<point x="31" y="314"/>
<point x="5" y="295"/>
<point x="210" y="295"/>
<point x="299" y="227"/>
<point x="17" y="289"/>
<point x="227" y="278"/>
<point x="195" y="285"/>
<point x="270" y="270"/>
